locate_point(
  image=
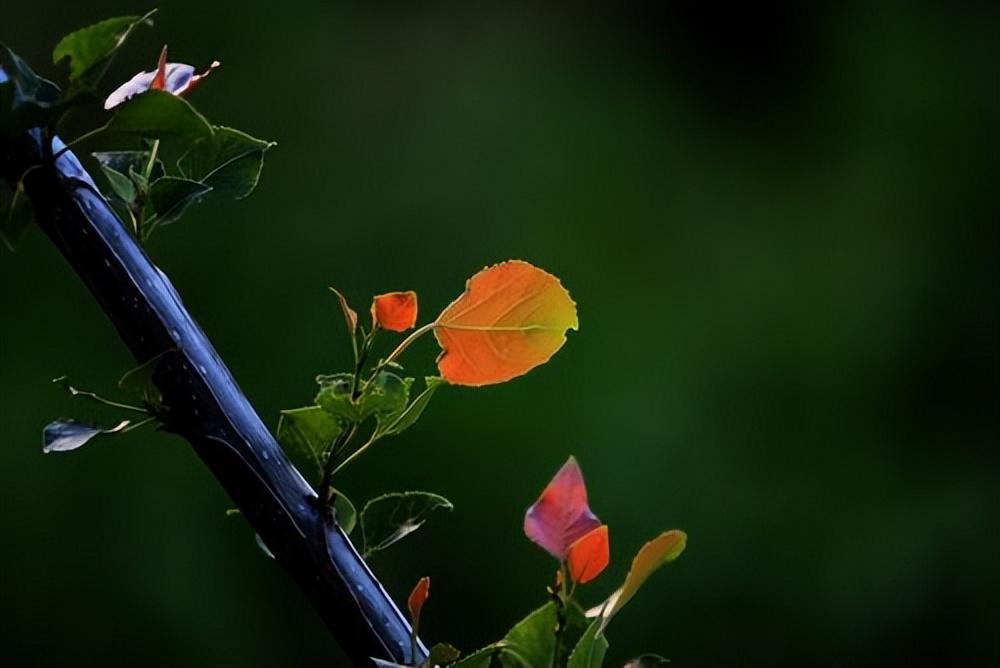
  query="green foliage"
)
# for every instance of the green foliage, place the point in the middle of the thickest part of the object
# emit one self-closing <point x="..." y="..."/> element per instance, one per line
<point x="344" y="511"/>
<point x="590" y="650"/>
<point x="169" y="197"/>
<point x="26" y="99"/>
<point x="416" y="408"/>
<point x="310" y="430"/>
<point x="389" y="518"/>
<point x="91" y="49"/>
<point x="158" y="114"/>
<point x="230" y="162"/>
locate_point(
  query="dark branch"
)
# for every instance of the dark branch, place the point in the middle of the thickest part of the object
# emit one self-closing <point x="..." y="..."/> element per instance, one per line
<point x="204" y="405"/>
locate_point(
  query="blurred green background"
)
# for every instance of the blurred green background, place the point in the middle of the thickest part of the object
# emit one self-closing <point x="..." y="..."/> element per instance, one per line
<point x="781" y="228"/>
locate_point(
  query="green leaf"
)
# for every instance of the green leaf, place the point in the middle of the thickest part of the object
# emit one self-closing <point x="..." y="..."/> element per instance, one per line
<point x="231" y="162"/>
<point x="26" y="99"/>
<point x="385" y="398"/>
<point x="482" y="658"/>
<point x="124" y="162"/>
<point x="160" y="115"/>
<point x="391" y="517"/>
<point x="590" y="650"/>
<point x="139" y="383"/>
<point x="169" y="198"/>
<point x="15" y="215"/>
<point x="647" y="661"/>
<point x="66" y="435"/>
<point x="416" y="408"/>
<point x="661" y="550"/>
<point x="121" y="185"/>
<point x="310" y="430"/>
<point x="442" y="653"/>
<point x="532" y="641"/>
<point x="344" y="512"/>
<point x="91" y="49"/>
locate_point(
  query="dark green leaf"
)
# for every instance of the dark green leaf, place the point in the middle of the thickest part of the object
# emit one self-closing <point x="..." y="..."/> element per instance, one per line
<point x="482" y="658"/>
<point x="124" y="162"/>
<point x="590" y="650"/>
<point x="443" y="653"/>
<point x="169" y="198"/>
<point x="91" y="49"/>
<point x="647" y="661"/>
<point x="231" y="162"/>
<point x="416" y="408"/>
<point x="65" y="435"/>
<point x="309" y="430"/>
<point x="121" y="185"/>
<point x="158" y="114"/>
<point x="26" y="99"/>
<point x="335" y="397"/>
<point x="385" y="398"/>
<point x="391" y="517"/>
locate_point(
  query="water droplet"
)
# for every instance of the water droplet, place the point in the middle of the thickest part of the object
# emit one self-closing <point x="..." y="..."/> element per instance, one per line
<point x="175" y="335"/>
<point x="107" y="263"/>
<point x="201" y="367"/>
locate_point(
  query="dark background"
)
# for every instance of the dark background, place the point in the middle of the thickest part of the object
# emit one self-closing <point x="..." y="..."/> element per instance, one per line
<point x="781" y="230"/>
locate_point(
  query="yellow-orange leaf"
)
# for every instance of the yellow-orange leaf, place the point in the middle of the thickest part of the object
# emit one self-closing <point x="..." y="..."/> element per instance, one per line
<point x="512" y="317"/>
<point x="588" y="556"/>
<point x="395" y="311"/>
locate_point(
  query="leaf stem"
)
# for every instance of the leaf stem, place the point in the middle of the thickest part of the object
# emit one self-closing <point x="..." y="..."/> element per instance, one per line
<point x="152" y="159"/>
<point x="357" y="453"/>
<point x="404" y="344"/>
<point x="83" y="137"/>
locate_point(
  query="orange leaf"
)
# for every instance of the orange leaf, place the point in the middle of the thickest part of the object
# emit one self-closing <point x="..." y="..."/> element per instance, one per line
<point x="512" y="317"/>
<point x="417" y="598"/>
<point x="589" y="555"/>
<point x="160" y="79"/>
<point x="395" y="311"/>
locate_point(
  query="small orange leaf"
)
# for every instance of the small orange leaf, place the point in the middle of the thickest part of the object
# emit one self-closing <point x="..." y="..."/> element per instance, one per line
<point x="512" y="317"/>
<point x="395" y="311"/>
<point x="589" y="555"/>
<point x="417" y="598"/>
<point x="160" y="80"/>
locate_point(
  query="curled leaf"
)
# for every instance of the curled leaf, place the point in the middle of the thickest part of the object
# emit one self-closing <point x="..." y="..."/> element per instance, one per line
<point x="391" y="517"/>
<point x="561" y="515"/>
<point x="395" y="311"/>
<point x="416" y="408"/>
<point x="661" y="550"/>
<point x="588" y="556"/>
<point x="590" y="650"/>
<point x="512" y="317"/>
<point x="66" y="435"/>
<point x="416" y="600"/>
<point x="90" y="49"/>
<point x="350" y="315"/>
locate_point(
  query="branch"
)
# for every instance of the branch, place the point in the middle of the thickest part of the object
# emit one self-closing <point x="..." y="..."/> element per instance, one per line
<point x="204" y="405"/>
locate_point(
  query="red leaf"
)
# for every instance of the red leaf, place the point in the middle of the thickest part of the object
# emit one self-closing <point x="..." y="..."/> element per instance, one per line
<point x="561" y="515"/>
<point x="395" y="311"/>
<point x="160" y="80"/>
<point x="589" y="555"/>
<point x="417" y="598"/>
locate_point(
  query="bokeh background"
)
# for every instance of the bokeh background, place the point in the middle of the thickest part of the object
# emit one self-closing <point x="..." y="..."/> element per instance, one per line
<point x="781" y="228"/>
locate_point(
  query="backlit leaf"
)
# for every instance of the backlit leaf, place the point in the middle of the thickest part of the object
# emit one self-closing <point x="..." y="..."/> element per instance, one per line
<point x="26" y="99"/>
<point x="511" y="318"/>
<point x="443" y="653"/>
<point x="482" y="658"/>
<point x="389" y="518"/>
<point x="588" y="556"/>
<point x="90" y="49"/>
<point x="417" y="598"/>
<point x="310" y="430"/>
<point x="416" y="408"/>
<point x="590" y="650"/>
<point x="561" y="515"/>
<point x="66" y="435"/>
<point x="124" y="162"/>
<point x="395" y="311"/>
<point x="344" y="511"/>
<point x="175" y="78"/>
<point x="661" y="550"/>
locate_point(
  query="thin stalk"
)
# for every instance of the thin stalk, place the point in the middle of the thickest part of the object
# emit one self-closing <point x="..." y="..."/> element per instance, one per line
<point x="403" y="345"/>
<point x="357" y="453"/>
<point x="83" y="137"/>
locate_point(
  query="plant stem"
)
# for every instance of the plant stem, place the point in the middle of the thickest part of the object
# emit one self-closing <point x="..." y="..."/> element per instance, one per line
<point x="83" y="137"/>
<point x="152" y="159"/>
<point x="357" y="453"/>
<point x="404" y="344"/>
<point x="561" y="598"/>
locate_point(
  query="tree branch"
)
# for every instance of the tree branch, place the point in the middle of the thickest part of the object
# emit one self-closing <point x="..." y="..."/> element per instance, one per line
<point x="204" y="405"/>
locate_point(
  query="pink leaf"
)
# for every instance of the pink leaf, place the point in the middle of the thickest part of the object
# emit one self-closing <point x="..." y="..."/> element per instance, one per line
<point x="561" y="515"/>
